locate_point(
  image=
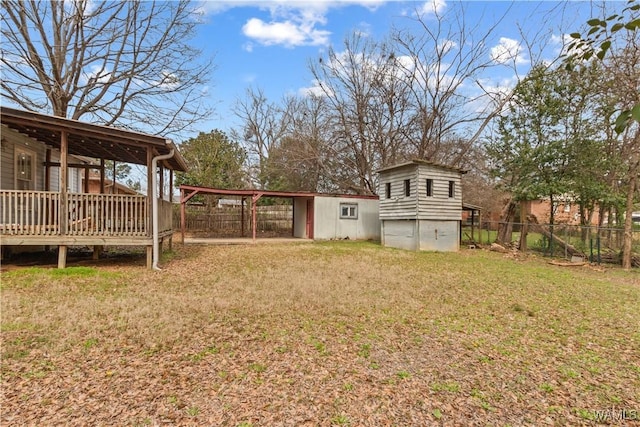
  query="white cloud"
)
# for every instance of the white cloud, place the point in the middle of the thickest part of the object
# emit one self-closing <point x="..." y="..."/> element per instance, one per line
<point x="445" y="46"/>
<point x="96" y="74"/>
<point x="561" y="45"/>
<point x="315" y="89"/>
<point x="290" y="23"/>
<point x="492" y="91"/>
<point x="287" y="33"/>
<point x="249" y="78"/>
<point x="219" y="6"/>
<point x="508" y="51"/>
<point x="168" y="80"/>
<point x="432" y="7"/>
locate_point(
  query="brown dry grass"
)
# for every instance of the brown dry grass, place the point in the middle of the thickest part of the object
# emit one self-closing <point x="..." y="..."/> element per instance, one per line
<point x="320" y="334"/>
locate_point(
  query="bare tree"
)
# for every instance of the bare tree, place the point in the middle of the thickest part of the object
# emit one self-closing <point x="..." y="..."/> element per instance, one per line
<point x="124" y="62"/>
<point x="265" y="124"/>
<point x="368" y="100"/>
<point x="443" y="59"/>
<point x="304" y="158"/>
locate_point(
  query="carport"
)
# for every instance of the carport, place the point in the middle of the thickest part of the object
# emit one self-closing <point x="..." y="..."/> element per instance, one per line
<point x="187" y="192"/>
<point x="315" y="215"/>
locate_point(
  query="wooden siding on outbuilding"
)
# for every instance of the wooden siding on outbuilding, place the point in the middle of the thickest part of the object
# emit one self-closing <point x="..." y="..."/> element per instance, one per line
<point x="439" y="206"/>
<point x="418" y="205"/>
<point x="398" y="205"/>
<point x="422" y="219"/>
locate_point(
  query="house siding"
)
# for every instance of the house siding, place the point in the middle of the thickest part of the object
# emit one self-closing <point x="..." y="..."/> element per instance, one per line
<point x="439" y="206"/>
<point x="439" y="235"/>
<point x="398" y="206"/>
<point x="12" y="141"/>
<point x="401" y="234"/>
<point x="15" y="141"/>
<point x="329" y="225"/>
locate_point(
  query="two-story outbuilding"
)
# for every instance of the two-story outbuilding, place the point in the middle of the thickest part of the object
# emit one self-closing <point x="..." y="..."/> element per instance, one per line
<point x="421" y="206"/>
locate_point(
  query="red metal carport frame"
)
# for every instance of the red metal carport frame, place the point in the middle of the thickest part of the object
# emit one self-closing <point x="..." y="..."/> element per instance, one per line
<point x="187" y="192"/>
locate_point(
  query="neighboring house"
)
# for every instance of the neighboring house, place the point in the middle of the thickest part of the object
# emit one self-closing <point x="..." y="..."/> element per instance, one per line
<point x="95" y="182"/>
<point x="565" y="211"/>
<point x="421" y="206"/>
<point x="42" y="199"/>
<point x="315" y="215"/>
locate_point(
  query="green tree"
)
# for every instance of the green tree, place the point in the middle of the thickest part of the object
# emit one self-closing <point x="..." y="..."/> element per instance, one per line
<point x="529" y="154"/>
<point x="214" y="160"/>
<point x="599" y="41"/>
<point x="613" y="40"/>
<point x="541" y="146"/>
<point x="122" y="170"/>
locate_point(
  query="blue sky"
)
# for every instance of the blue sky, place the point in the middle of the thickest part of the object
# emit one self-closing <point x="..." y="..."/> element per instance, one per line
<point x="268" y="44"/>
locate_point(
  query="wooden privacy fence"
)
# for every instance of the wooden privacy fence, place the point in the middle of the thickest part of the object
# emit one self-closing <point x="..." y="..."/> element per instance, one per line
<point x="38" y="213"/>
<point x="233" y="220"/>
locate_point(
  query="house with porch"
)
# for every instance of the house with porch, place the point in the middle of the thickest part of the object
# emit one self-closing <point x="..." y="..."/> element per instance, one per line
<point x="44" y="185"/>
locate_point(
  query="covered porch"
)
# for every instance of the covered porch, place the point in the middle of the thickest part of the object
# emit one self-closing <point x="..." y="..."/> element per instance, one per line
<point x="39" y="216"/>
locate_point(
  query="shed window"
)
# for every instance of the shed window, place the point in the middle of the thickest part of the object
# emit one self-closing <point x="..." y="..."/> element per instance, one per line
<point x="452" y="189"/>
<point x="407" y="187"/>
<point x="387" y="190"/>
<point x="429" y="187"/>
<point x="348" y="211"/>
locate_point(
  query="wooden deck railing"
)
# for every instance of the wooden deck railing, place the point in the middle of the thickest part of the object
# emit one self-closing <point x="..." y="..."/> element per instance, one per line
<point x="165" y="216"/>
<point x="29" y="212"/>
<point x="38" y="213"/>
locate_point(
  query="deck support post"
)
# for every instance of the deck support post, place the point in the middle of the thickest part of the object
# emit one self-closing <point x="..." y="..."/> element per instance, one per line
<point x="97" y="250"/>
<point x="149" y="257"/>
<point x="62" y="256"/>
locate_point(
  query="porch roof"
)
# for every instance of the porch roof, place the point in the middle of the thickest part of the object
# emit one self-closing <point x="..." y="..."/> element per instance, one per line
<point x="91" y="140"/>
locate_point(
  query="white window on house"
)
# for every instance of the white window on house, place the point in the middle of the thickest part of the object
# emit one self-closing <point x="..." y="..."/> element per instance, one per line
<point x="348" y="211"/>
<point x="25" y="171"/>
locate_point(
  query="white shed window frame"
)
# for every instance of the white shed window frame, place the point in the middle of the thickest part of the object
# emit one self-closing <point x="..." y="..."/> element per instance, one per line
<point x="348" y="211"/>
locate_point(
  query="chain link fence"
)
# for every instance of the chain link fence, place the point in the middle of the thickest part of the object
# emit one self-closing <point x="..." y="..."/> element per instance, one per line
<point x="594" y="244"/>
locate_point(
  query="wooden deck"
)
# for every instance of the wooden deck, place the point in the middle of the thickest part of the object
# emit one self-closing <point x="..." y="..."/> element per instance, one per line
<point x="38" y="218"/>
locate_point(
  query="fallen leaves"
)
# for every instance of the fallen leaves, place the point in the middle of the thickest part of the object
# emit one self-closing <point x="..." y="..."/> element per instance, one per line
<point x="321" y="335"/>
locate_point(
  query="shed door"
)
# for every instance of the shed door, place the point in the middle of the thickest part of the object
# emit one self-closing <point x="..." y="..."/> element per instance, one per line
<point x="309" y="219"/>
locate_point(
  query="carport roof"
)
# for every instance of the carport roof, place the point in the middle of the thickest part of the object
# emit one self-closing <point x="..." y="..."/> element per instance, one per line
<point x="91" y="140"/>
<point x="266" y="193"/>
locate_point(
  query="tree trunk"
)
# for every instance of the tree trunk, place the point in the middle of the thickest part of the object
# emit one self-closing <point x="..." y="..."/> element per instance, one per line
<point x="628" y="221"/>
<point x="524" y="210"/>
<point x="506" y="223"/>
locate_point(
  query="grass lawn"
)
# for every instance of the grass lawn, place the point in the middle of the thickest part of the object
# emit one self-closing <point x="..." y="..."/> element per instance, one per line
<point x="321" y="334"/>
